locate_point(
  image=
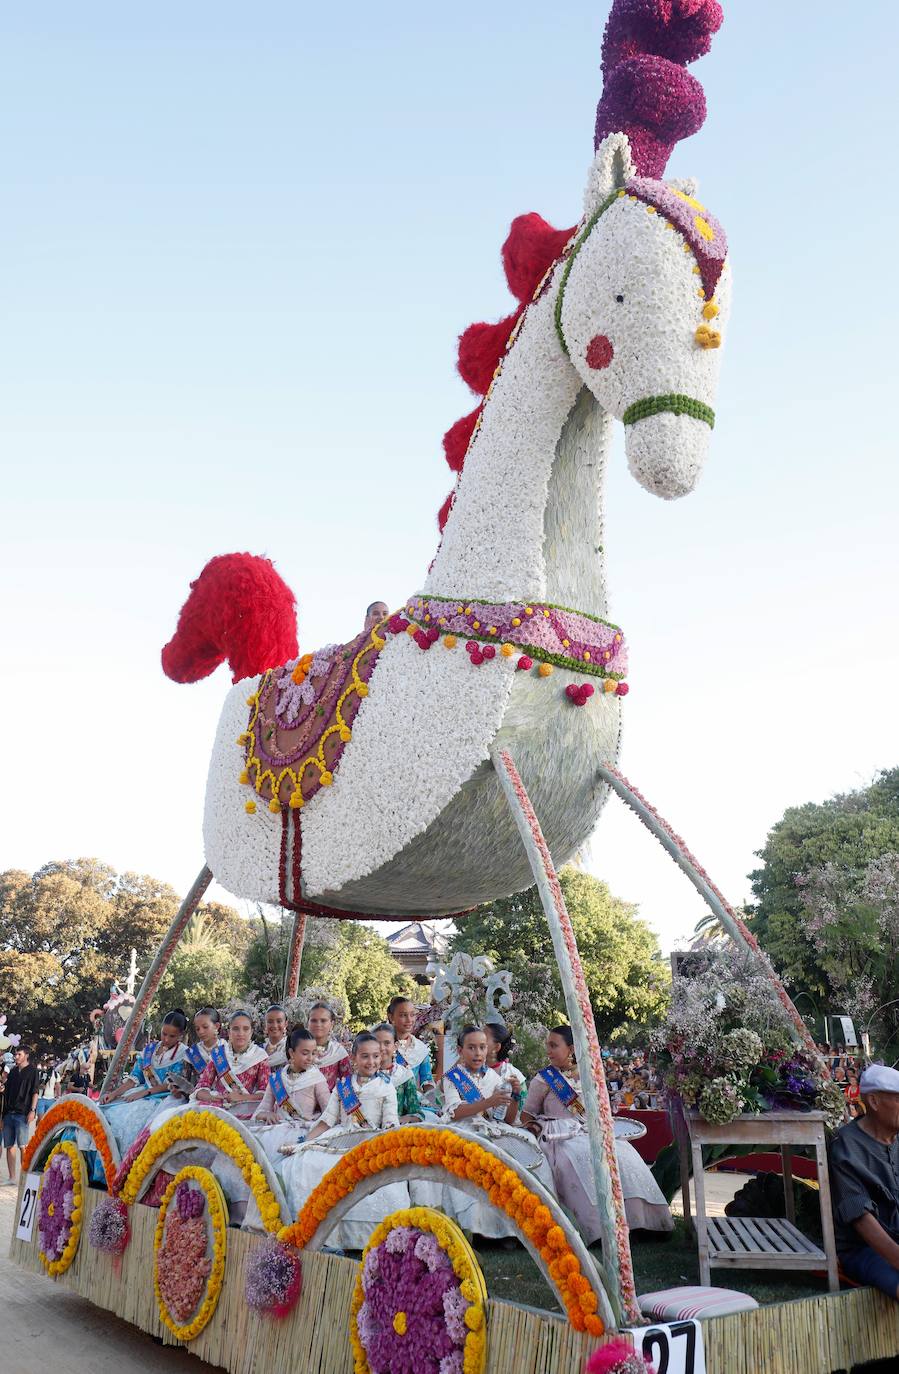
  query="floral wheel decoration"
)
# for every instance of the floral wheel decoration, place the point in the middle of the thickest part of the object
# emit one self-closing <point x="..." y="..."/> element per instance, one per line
<point x="59" y="1207"/>
<point x="420" y="1299"/>
<point x="189" y="1252"/>
<point x="466" y="1159"/>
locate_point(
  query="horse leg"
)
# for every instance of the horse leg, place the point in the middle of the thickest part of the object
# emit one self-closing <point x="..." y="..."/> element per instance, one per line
<point x="600" y="1129"/>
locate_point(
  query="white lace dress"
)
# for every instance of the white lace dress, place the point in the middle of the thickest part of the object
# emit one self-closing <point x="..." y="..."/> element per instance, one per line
<point x="304" y="1170"/>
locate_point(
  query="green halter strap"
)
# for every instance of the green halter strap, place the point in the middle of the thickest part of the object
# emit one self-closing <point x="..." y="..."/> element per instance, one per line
<point x="674" y="402"/>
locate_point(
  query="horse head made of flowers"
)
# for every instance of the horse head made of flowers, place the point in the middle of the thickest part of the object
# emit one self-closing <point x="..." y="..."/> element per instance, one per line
<point x="644" y="295"/>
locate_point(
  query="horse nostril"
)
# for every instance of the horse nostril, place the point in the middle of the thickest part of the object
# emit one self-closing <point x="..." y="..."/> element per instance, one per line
<point x="599" y="352"/>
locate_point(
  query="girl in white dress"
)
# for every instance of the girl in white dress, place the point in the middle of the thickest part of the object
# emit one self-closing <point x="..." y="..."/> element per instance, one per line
<point x="295" y="1098"/>
<point x="554" y="1113"/>
<point x="500" y="1044"/>
<point x="477" y="1101"/>
<point x="275" y="1045"/>
<point x="360" y="1104"/>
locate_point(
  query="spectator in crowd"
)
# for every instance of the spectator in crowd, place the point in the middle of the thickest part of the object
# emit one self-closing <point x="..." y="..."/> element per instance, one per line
<point x="19" y="1108"/>
<point x="864" y="1179"/>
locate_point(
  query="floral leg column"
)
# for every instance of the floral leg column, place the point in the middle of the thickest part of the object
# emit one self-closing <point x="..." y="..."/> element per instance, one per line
<point x="610" y="1199"/>
<point x="154" y="977"/>
<point x="711" y="895"/>
<point x="295" y="958"/>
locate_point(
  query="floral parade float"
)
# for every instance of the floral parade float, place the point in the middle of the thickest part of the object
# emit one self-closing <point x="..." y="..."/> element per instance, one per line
<point x="480" y="718"/>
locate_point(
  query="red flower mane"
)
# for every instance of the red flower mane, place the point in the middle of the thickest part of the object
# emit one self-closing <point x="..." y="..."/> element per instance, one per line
<point x="528" y="253"/>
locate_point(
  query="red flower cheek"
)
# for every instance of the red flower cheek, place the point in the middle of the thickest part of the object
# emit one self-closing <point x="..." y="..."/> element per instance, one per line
<point x="599" y="352"/>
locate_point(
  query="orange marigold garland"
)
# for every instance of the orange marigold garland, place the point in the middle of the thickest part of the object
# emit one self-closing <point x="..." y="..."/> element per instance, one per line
<point x="72" y="1114"/>
<point x="467" y="1160"/>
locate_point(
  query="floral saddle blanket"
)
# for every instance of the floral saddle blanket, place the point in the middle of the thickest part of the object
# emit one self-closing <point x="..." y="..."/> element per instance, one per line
<point x="301" y="720"/>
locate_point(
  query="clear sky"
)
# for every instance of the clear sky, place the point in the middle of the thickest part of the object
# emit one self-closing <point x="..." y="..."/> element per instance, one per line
<point x="238" y="244"/>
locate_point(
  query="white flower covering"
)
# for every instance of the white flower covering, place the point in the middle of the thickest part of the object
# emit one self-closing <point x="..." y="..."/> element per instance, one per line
<point x="427" y="723"/>
<point x="492" y="546"/>
<point x="242" y="850"/>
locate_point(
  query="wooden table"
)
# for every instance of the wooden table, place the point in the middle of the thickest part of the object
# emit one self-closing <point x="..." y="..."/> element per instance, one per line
<point x="761" y="1242"/>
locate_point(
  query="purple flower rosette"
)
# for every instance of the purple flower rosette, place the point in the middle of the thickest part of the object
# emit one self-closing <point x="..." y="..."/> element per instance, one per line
<point x="412" y="1318"/>
<point x="57" y="1203"/>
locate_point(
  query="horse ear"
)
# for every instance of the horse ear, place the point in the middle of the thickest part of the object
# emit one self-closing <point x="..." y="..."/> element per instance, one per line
<point x="689" y="186"/>
<point x="612" y="166"/>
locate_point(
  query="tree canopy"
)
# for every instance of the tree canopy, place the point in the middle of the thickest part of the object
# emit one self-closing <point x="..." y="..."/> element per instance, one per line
<point x="67" y="931"/>
<point x="626" y="975"/>
<point x="827" y="898"/>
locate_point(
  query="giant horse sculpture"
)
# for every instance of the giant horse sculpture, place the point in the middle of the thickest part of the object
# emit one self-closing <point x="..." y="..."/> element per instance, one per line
<point x="405" y="772"/>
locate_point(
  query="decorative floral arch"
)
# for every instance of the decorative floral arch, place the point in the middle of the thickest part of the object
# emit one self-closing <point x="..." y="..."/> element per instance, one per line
<point x="210" y="1127"/>
<point x="78" y="1112"/>
<point x="472" y="1166"/>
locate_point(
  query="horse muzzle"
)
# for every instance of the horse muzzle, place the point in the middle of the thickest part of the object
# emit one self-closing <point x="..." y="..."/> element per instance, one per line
<point x="666" y="441"/>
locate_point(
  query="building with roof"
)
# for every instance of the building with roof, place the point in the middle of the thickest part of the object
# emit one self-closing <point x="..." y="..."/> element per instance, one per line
<point x="419" y="944"/>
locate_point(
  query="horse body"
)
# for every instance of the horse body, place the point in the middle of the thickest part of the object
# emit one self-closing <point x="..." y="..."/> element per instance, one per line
<point x="625" y="324"/>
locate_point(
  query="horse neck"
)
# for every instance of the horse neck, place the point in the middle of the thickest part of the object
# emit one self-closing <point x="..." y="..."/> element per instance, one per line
<point x="573" y="522"/>
<point x="492" y="546"/>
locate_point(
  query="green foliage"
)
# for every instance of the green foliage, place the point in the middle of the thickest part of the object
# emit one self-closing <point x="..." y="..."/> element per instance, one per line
<point x="203" y="968"/>
<point x="67" y="931"/>
<point x="818" y="913"/>
<point x="349" y="959"/>
<point x="626" y="976"/>
<point x="358" y="966"/>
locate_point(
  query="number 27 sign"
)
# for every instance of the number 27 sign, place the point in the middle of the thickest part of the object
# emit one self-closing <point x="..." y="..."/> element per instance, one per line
<point x="673" y="1348"/>
<point x="28" y="1207"/>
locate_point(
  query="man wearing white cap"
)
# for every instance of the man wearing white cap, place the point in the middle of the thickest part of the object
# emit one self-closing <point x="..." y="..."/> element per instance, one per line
<point x="864" y="1180"/>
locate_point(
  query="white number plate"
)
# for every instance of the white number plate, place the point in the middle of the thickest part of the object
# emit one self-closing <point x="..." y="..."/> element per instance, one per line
<point x="674" y="1348"/>
<point x="28" y="1207"/>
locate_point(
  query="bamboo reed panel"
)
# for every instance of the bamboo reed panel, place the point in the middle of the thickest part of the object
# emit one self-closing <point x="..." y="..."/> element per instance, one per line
<point x="807" y="1336"/>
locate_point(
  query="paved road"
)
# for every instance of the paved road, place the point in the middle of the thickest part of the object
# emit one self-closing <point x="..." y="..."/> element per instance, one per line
<point x="44" y="1327"/>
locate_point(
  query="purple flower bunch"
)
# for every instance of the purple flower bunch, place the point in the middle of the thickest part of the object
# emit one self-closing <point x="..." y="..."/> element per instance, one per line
<point x="412" y="1318"/>
<point x="190" y="1201"/>
<point x="274" y="1277"/>
<point x="56" y="1206"/>
<point x="109" y="1230"/>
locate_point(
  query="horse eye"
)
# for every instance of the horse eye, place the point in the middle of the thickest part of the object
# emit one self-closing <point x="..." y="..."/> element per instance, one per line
<point x="620" y="300"/>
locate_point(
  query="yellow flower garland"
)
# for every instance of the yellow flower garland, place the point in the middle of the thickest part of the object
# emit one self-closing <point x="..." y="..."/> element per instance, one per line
<point x="204" y="1126"/>
<point x="465" y="1266"/>
<point x="54" y="1267"/>
<point x="218" y="1217"/>
<point x="466" y="1159"/>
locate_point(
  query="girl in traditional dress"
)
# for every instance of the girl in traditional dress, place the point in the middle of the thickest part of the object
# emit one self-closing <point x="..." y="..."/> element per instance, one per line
<point x="330" y="1055"/>
<point x="276" y="1036"/>
<point x="400" y="1075"/>
<point x="554" y="1113"/>
<point x="500" y="1044"/>
<point x="129" y="1107"/>
<point x="295" y="1098"/>
<point x="410" y="1051"/>
<point x="477" y="1100"/>
<point x="360" y="1104"/>
<point x="237" y="1073"/>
